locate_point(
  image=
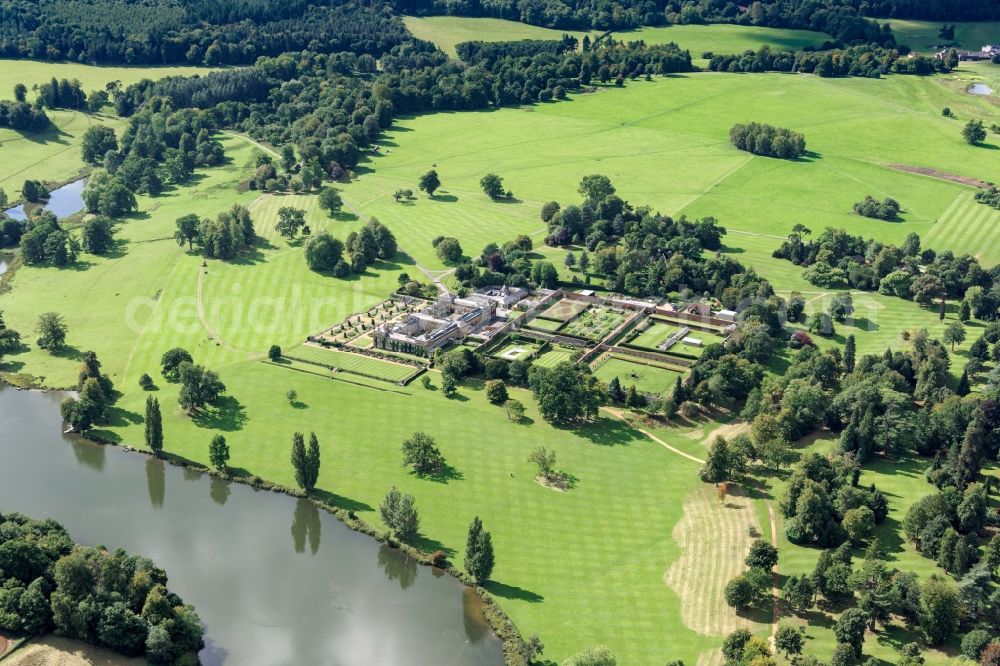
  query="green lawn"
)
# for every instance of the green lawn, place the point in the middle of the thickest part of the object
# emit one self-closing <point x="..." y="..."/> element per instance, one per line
<point x="725" y="38"/>
<point x="647" y="378"/>
<point x="564" y="309"/>
<point x="654" y="335"/>
<point x="554" y="355"/>
<point x="354" y="363"/>
<point x="517" y="350"/>
<point x="544" y="324"/>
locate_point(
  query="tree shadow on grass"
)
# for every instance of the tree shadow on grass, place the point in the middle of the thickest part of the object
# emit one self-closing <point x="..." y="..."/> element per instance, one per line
<point x="69" y="352"/>
<point x="512" y="592"/>
<point x="226" y="414"/>
<point x="446" y="474"/>
<point x="120" y="418"/>
<point x="429" y="545"/>
<point x="607" y="431"/>
<point x="339" y="501"/>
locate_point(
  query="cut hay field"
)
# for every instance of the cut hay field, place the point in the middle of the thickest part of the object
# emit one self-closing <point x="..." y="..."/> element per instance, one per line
<point x="923" y="35"/>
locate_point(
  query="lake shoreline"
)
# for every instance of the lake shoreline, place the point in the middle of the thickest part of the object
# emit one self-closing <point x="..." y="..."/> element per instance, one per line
<point x="499" y="621"/>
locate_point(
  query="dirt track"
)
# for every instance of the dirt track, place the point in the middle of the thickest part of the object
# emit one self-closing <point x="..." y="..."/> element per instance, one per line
<point x="941" y="175"/>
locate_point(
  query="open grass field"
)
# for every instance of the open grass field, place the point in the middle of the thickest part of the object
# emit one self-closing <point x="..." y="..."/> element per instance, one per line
<point x="923" y="35"/>
<point x="725" y="38"/>
<point x="655" y="335"/>
<point x="446" y="31"/>
<point x="93" y="77"/>
<point x="647" y="378"/>
<point x="52" y="156"/>
<point x="354" y="363"/>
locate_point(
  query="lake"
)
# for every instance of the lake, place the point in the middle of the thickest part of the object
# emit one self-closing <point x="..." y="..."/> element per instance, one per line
<point x="63" y="201"/>
<point x="275" y="580"/>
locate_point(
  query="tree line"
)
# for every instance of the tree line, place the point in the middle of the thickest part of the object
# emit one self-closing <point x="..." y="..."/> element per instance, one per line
<point x="866" y="60"/>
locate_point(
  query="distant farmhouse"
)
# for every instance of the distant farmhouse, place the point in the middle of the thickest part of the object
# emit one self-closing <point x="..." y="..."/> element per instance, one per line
<point x="985" y="53"/>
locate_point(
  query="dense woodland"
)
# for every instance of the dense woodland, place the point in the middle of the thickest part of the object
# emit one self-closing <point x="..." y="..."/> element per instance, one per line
<point x="113" y="599"/>
<point x="216" y="33"/>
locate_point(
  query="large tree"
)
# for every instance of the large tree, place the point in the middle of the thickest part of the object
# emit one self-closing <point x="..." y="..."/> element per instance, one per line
<point x="479" y="558"/>
<point x="429" y="182"/>
<point x="52" y="330"/>
<point x="199" y="386"/>
<point x="154" y="426"/>
<point x="218" y="452"/>
<point x="566" y="392"/>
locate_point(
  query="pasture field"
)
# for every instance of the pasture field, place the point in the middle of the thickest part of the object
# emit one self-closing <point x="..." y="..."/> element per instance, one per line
<point x="654" y="335"/>
<point x="447" y="31"/>
<point x="554" y="355"/>
<point x="93" y="77"/>
<point x="648" y="378"/>
<point x="724" y="38"/>
<point x="675" y="132"/>
<point x="353" y="363"/>
<point x="52" y="156"/>
<point x="922" y="36"/>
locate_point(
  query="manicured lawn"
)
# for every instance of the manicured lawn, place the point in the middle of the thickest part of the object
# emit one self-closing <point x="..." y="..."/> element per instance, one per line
<point x="544" y="324"/>
<point x="654" y="336"/>
<point x="519" y="350"/>
<point x="354" y="363"/>
<point x="554" y="355"/>
<point x="647" y="378"/>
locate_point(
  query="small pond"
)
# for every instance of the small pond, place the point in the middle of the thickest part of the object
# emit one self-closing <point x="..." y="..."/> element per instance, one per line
<point x="980" y="89"/>
<point x="63" y="201"/>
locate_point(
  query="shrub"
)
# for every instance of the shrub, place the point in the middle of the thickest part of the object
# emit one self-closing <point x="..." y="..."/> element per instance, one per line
<point x="274" y="353"/>
<point x="146" y="382"/>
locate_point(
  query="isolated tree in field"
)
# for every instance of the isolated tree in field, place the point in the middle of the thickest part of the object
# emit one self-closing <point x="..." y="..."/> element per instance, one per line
<point x="153" y="426"/>
<point x="492" y="185"/>
<point x="841" y="307"/>
<point x="719" y="462"/>
<point x="290" y="221"/>
<point x="479" y="558"/>
<point x="20" y="92"/>
<point x="274" y="353"/>
<point x="739" y="592"/>
<point x="171" y="361"/>
<point x="402" y="195"/>
<point x="330" y="200"/>
<point x="305" y="462"/>
<point x="98" y="235"/>
<point x="566" y="392"/>
<point x="323" y="252"/>
<point x="98" y="140"/>
<point x="52" y="330"/>
<point x="789" y="640"/>
<point x="187" y="230"/>
<point x="496" y="391"/>
<point x="762" y="555"/>
<point x="399" y="513"/>
<point x="421" y="454"/>
<point x="595" y="188"/>
<point x="954" y="333"/>
<point x="199" y="387"/>
<point x="449" y="250"/>
<point x="595" y="656"/>
<point x="974" y="132"/>
<point x="429" y="182"/>
<point x="544" y="460"/>
<point x="515" y="410"/>
<point x="218" y="452"/>
<point x="146" y="382"/>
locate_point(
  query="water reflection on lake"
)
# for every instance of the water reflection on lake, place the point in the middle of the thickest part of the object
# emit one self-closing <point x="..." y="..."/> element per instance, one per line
<point x="276" y="580"/>
<point x="63" y="201"/>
